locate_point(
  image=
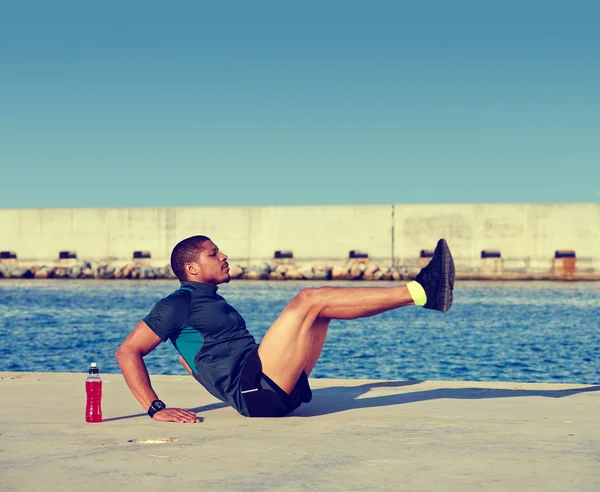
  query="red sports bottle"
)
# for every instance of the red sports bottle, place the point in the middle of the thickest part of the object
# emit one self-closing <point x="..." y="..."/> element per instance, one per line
<point x="93" y="389"/>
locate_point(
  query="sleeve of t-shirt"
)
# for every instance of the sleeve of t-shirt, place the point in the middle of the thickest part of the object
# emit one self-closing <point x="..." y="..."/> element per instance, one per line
<point x="168" y="316"/>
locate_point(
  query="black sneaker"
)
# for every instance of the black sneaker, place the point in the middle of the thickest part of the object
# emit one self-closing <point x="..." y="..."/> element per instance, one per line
<point x="437" y="278"/>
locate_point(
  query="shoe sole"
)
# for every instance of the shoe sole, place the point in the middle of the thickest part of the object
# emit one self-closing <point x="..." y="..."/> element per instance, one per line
<point x="446" y="285"/>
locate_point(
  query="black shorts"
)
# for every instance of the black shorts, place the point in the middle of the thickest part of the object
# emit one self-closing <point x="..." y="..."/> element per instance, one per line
<point x="263" y="398"/>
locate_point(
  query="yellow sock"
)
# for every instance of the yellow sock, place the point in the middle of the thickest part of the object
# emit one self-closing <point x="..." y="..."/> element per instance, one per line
<point x="417" y="293"/>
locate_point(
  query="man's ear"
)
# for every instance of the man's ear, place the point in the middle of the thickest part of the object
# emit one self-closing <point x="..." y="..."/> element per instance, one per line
<point x="192" y="268"/>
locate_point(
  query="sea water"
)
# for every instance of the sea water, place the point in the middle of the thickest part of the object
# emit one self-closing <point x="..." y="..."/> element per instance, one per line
<point x="495" y="331"/>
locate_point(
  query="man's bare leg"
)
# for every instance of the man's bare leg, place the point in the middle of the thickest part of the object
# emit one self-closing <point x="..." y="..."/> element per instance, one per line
<point x="295" y="340"/>
<point x="319" y="329"/>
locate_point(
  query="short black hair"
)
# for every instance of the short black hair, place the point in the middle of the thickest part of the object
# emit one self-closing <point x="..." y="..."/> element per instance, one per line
<point x="186" y="251"/>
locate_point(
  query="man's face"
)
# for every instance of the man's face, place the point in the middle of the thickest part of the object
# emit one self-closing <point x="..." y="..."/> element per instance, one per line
<point x="212" y="266"/>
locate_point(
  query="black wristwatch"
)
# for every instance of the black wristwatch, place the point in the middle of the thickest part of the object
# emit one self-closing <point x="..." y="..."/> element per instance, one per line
<point x="156" y="406"/>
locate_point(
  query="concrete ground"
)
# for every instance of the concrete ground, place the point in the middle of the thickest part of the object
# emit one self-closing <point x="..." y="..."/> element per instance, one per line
<point x="354" y="435"/>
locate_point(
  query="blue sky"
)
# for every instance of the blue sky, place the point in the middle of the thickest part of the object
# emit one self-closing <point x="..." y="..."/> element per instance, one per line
<point x="278" y="103"/>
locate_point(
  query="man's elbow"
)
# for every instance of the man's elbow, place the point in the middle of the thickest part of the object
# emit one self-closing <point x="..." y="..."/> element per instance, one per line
<point x="124" y="352"/>
<point x="119" y="354"/>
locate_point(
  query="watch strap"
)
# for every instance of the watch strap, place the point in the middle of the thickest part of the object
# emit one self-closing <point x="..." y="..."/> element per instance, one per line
<point x="156" y="406"/>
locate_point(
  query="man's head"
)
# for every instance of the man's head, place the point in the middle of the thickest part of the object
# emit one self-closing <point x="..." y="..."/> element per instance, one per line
<point x="198" y="259"/>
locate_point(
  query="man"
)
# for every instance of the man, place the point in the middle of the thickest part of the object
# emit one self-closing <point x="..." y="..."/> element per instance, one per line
<point x="270" y="379"/>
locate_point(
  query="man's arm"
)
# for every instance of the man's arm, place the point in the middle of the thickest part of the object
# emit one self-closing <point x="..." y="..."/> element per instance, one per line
<point x="187" y="368"/>
<point x="130" y="356"/>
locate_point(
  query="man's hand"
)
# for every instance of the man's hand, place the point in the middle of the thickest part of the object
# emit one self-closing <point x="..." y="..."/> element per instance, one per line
<point x="176" y="415"/>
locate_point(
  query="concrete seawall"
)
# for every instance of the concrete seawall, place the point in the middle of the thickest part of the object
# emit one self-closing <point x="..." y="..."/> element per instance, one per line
<point x="354" y="435"/>
<point x="526" y="235"/>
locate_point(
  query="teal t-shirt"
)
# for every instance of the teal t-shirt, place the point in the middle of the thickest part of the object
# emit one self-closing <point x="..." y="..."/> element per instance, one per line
<point x="210" y="335"/>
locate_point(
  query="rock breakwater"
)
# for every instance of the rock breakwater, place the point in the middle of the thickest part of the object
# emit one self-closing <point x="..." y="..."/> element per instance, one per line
<point x="352" y="270"/>
<point x="264" y="271"/>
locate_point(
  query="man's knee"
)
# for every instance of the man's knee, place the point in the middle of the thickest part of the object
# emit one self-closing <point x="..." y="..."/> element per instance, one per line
<point x="312" y="299"/>
<point x="308" y="297"/>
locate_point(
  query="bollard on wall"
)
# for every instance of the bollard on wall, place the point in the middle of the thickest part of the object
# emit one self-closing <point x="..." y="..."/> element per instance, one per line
<point x="142" y="257"/>
<point x="283" y="257"/>
<point x="8" y="258"/>
<point x="357" y="256"/>
<point x="425" y="257"/>
<point x="67" y="258"/>
<point x="491" y="261"/>
<point x="564" y="263"/>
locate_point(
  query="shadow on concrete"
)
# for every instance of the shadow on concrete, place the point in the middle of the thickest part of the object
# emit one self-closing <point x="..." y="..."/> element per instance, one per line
<point x="204" y="408"/>
<point x="387" y="384"/>
<point x="341" y="398"/>
<point x="123" y="417"/>
<point x="211" y="406"/>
